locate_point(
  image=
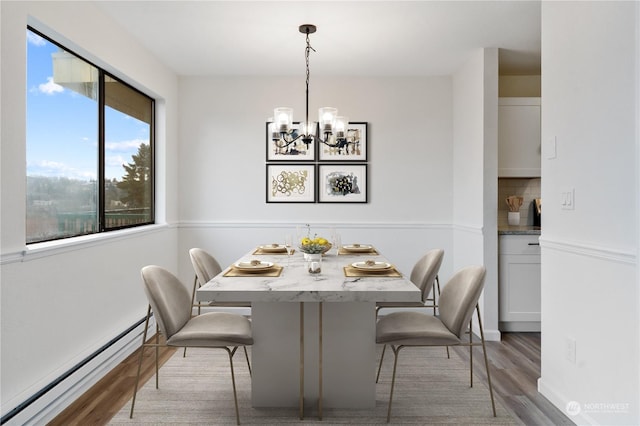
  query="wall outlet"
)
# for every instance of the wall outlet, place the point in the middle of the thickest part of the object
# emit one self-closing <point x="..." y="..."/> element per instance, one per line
<point x="570" y="350"/>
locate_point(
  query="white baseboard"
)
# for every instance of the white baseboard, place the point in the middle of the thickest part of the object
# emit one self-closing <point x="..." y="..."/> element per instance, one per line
<point x="46" y="407"/>
<point x="492" y="335"/>
<point x="520" y="326"/>
<point x="561" y="403"/>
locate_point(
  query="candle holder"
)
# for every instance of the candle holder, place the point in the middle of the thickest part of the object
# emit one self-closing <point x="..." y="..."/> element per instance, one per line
<point x="314" y="262"/>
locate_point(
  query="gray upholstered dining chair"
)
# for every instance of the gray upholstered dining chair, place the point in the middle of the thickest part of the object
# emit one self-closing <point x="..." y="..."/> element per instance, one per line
<point x="171" y="306"/>
<point x="425" y="276"/>
<point x="458" y="300"/>
<point x="206" y="267"/>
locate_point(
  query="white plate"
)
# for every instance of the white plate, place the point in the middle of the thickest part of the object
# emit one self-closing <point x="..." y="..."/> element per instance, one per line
<point x="358" y="247"/>
<point x="375" y="266"/>
<point x="253" y="266"/>
<point x="275" y="248"/>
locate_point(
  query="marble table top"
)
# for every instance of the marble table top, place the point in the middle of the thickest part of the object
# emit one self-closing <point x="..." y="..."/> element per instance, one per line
<point x="295" y="284"/>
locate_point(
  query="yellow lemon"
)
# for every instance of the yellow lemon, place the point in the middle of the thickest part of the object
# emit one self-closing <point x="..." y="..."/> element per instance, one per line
<point x="322" y="241"/>
<point x="306" y="241"/>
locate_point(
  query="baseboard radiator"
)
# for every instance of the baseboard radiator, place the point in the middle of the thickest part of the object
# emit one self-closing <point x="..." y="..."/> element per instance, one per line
<point x="51" y="400"/>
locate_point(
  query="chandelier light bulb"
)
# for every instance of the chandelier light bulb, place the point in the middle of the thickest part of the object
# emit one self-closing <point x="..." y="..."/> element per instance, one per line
<point x="327" y="118"/>
<point x="308" y="127"/>
<point x="342" y="123"/>
<point x="283" y="118"/>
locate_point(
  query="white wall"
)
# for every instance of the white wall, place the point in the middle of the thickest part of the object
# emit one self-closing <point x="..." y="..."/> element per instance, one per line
<point x="475" y="142"/>
<point x="222" y="131"/>
<point x="589" y="255"/>
<point x="62" y="301"/>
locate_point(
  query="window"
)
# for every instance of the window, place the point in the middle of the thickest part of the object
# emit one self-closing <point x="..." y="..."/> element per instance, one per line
<point x="90" y="140"/>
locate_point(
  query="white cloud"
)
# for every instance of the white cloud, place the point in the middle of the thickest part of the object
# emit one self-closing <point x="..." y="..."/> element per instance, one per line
<point x="49" y="88"/>
<point x="114" y="160"/>
<point x="131" y="145"/>
<point x="57" y="169"/>
<point x="35" y="39"/>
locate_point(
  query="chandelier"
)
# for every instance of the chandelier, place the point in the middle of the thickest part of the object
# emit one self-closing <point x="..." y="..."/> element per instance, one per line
<point x="331" y="128"/>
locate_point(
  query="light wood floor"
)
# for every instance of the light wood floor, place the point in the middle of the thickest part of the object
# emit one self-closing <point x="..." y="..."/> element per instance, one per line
<point x="515" y="369"/>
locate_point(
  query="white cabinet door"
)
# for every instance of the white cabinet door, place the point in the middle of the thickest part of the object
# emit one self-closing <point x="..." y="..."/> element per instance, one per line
<point x="519" y="146"/>
<point x="519" y="287"/>
<point x="519" y="283"/>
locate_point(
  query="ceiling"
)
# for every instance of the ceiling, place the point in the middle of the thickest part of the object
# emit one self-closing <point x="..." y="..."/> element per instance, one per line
<point x="373" y="38"/>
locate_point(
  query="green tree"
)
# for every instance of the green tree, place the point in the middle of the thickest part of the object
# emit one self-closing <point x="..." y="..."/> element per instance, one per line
<point x="136" y="182"/>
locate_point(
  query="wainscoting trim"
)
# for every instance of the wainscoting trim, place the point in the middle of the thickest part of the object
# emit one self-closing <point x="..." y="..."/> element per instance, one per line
<point x="599" y="252"/>
<point x="288" y="224"/>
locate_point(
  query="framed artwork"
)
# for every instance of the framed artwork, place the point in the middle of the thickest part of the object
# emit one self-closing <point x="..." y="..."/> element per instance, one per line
<point x="295" y="151"/>
<point x="291" y="183"/>
<point x="342" y="183"/>
<point x="353" y="147"/>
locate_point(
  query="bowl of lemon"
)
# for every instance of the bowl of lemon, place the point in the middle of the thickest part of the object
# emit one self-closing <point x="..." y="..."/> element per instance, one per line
<point x="317" y="245"/>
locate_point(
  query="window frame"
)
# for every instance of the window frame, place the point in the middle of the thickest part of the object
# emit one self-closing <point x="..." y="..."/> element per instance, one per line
<point x="100" y="206"/>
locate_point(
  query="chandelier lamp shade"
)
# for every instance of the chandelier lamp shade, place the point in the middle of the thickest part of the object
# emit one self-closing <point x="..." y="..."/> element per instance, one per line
<point x="331" y="128"/>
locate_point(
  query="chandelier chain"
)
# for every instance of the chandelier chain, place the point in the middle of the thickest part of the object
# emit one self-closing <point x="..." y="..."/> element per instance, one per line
<point x="306" y="57"/>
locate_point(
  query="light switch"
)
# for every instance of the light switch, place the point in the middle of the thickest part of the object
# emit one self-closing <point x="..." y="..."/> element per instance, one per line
<point x="567" y="199"/>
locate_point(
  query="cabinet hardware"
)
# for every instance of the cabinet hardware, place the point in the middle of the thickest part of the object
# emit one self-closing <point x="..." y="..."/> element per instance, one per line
<point x="534" y="244"/>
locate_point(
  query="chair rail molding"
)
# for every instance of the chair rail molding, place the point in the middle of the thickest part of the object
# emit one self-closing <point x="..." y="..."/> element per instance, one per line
<point x="625" y="256"/>
<point x="340" y="225"/>
<point x="471" y="229"/>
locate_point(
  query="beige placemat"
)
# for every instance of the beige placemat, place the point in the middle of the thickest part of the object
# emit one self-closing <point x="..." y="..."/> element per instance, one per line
<point x="350" y="271"/>
<point x="260" y="251"/>
<point x="274" y="271"/>
<point x="372" y="252"/>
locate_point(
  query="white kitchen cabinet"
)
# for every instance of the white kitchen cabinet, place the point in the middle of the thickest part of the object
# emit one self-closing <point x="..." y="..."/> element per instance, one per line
<point x="519" y="282"/>
<point x="519" y="144"/>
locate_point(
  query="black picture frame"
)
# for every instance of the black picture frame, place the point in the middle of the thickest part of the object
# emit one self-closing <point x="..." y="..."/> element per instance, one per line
<point x="298" y="151"/>
<point x="355" y="149"/>
<point x="290" y="183"/>
<point x="343" y="183"/>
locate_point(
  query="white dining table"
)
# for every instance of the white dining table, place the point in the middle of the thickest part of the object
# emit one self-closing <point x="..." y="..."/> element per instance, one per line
<point x="314" y="335"/>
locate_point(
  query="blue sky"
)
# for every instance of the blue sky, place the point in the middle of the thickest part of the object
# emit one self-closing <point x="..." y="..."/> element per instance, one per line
<point x="62" y="125"/>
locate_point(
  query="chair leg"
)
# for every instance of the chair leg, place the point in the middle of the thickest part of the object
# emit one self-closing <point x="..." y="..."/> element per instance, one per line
<point x="193" y="298"/>
<point x="470" y="353"/>
<point x="233" y="382"/>
<point x="380" y="365"/>
<point x="193" y="293"/>
<point x="436" y="283"/>
<point x="435" y="302"/>
<point x="246" y="355"/>
<point x="396" y="351"/>
<point x="144" y="340"/>
<point x="486" y="361"/>
<point x="157" y="354"/>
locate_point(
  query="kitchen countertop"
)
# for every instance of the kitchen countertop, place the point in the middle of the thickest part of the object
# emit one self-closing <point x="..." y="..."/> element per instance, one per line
<point x="519" y="230"/>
